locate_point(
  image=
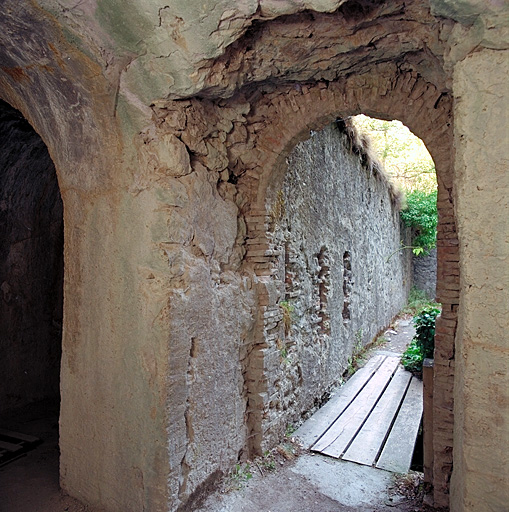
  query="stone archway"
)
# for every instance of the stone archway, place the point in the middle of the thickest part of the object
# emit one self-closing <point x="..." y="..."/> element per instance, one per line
<point x="285" y="117"/>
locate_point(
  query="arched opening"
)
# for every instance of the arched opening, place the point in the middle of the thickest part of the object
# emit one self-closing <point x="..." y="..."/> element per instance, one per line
<point x="339" y="266"/>
<point x="31" y="284"/>
<point x="312" y="108"/>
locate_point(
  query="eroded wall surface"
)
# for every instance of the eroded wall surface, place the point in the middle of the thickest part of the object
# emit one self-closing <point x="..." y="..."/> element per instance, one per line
<point x="340" y="273"/>
<point x="481" y="464"/>
<point x="424" y="273"/>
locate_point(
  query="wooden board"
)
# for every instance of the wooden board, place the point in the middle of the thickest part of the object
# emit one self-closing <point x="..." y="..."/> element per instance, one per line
<point x="18" y="436"/>
<point x="398" y="450"/>
<point x="315" y="426"/>
<point x="337" y="438"/>
<point x="14" y="445"/>
<point x="370" y="439"/>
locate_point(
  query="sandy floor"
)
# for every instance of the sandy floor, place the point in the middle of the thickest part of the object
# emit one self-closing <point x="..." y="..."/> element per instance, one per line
<point x="31" y="483"/>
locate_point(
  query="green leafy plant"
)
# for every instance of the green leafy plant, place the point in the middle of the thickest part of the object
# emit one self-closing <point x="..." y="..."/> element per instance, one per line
<point x="425" y="330"/>
<point x="239" y="476"/>
<point x="290" y="430"/>
<point x="421" y="215"/>
<point x="423" y="343"/>
<point x="268" y="461"/>
<point x="412" y="358"/>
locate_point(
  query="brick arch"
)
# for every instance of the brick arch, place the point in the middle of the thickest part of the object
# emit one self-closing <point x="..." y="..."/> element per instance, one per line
<point x="282" y="119"/>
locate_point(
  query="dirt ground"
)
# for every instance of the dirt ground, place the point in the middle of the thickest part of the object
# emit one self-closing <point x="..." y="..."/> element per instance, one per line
<point x="31" y="483"/>
<point x="289" y="480"/>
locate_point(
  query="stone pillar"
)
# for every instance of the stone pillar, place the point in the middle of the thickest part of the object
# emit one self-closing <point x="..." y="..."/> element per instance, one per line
<point x="480" y="479"/>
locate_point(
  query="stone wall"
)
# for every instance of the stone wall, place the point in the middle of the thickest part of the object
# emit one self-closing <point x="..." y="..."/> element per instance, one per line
<point x="340" y="275"/>
<point x="31" y="265"/>
<point x="424" y="273"/>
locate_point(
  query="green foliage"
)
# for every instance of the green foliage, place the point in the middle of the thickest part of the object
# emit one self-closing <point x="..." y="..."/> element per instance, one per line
<point x="425" y="330"/>
<point x="412" y="358"/>
<point x="421" y="215"/>
<point x="423" y="343"/>
<point x="268" y="461"/>
<point x="290" y="430"/>
<point x="403" y="155"/>
<point x="239" y="476"/>
<point x="417" y="301"/>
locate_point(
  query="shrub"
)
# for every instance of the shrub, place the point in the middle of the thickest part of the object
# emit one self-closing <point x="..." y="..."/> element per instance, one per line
<point x="425" y="331"/>
<point x="421" y="215"/>
<point x="423" y="343"/>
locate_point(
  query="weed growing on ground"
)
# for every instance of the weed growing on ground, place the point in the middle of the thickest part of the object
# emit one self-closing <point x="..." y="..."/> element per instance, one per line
<point x="360" y="353"/>
<point x="290" y="430"/>
<point x="238" y="477"/>
<point x="268" y="461"/>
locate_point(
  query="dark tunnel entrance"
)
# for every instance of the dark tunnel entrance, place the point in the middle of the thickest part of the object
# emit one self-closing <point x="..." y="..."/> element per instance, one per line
<point x="31" y="286"/>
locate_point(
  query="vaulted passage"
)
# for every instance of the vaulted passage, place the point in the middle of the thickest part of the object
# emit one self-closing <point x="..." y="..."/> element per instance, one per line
<point x="31" y="267"/>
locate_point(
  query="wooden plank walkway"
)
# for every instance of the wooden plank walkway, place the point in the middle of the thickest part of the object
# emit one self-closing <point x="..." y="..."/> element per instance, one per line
<point x="14" y="445"/>
<point x="373" y="420"/>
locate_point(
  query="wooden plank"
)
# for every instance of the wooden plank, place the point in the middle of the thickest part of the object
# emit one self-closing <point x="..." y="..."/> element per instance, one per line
<point x="10" y="447"/>
<point x="19" y="435"/>
<point x="314" y="427"/>
<point x="369" y="440"/>
<point x="335" y="441"/>
<point x="398" y="450"/>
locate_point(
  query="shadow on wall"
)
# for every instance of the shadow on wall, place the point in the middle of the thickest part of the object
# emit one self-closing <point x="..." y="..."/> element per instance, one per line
<point x="31" y="265"/>
<point x="424" y="273"/>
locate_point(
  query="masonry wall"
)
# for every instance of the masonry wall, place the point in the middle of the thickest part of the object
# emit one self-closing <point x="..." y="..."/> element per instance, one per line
<point x="340" y="274"/>
<point x="424" y="273"/>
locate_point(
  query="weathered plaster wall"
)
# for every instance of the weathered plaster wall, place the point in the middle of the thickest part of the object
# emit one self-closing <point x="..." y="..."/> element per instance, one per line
<point x="339" y="271"/>
<point x="481" y="464"/>
<point x="31" y="265"/>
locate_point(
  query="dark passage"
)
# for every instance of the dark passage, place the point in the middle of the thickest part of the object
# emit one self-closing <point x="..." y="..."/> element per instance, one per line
<point x="31" y="267"/>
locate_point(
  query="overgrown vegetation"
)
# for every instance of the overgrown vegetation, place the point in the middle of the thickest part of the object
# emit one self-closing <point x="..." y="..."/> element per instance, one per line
<point x="421" y="215"/>
<point x="417" y="301"/>
<point x="423" y="343"/>
<point x="238" y="477"/>
<point x="403" y="155"/>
